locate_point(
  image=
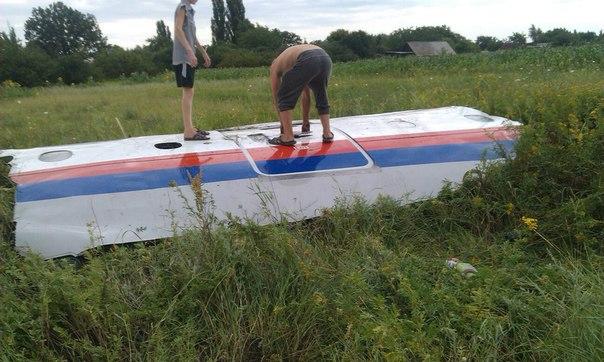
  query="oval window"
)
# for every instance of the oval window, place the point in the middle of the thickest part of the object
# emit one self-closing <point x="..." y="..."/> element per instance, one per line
<point x="168" y="145"/>
<point x="55" y="156"/>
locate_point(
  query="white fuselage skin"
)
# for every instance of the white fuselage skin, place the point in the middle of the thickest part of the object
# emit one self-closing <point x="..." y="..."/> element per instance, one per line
<point x="64" y="226"/>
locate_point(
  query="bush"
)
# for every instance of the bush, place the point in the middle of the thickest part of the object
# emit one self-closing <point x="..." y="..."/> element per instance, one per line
<point x="235" y="58"/>
<point x="74" y="69"/>
<point x="337" y="51"/>
<point x="116" y="62"/>
<point x="359" y="42"/>
<point x="29" y="66"/>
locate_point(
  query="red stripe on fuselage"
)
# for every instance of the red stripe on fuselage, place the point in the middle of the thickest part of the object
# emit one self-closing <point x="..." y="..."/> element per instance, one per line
<point x="262" y="154"/>
<point x="436" y="138"/>
<point x="302" y="149"/>
<point x="130" y="166"/>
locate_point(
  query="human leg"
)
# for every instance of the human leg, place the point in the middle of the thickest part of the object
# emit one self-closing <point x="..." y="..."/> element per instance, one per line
<point x="187" y="112"/>
<point x="292" y="84"/>
<point x="306" y="110"/>
<point x="319" y="87"/>
<point x="286" y="122"/>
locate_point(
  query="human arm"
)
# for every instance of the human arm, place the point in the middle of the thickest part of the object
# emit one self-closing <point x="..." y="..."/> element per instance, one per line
<point x="275" y="81"/>
<point x="181" y="37"/>
<point x="206" y="58"/>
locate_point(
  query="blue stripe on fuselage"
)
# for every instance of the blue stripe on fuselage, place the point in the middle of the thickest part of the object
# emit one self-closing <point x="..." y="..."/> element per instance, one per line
<point x="154" y="179"/>
<point x="313" y="163"/>
<point x="438" y="154"/>
<point x="137" y="181"/>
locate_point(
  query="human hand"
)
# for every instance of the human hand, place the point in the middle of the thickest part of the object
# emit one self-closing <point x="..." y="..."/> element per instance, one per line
<point x="192" y="59"/>
<point x="207" y="61"/>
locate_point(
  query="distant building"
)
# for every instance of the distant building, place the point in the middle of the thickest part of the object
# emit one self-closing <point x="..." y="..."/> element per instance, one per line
<point x="425" y="48"/>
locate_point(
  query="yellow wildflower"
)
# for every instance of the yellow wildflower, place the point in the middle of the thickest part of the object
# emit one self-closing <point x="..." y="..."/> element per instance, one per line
<point x="509" y="208"/>
<point x="477" y="201"/>
<point x="319" y="298"/>
<point x="530" y="223"/>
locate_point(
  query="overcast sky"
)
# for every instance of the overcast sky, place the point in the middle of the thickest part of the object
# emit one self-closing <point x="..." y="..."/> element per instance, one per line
<point x="129" y="23"/>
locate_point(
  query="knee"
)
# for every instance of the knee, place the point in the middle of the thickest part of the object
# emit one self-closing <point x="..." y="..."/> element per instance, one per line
<point x="323" y="110"/>
<point x="286" y="104"/>
<point x="188" y="93"/>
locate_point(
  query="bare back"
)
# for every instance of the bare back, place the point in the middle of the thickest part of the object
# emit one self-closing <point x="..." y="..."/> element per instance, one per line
<point x="286" y="60"/>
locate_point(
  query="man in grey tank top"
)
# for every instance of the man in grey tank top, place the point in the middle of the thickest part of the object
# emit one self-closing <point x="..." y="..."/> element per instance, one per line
<point x="185" y="61"/>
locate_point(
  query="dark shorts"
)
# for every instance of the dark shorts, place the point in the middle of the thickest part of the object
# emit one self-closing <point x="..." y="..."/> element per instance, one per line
<point x="312" y="68"/>
<point x="189" y="80"/>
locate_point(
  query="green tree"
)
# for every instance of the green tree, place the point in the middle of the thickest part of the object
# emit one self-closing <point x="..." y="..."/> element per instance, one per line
<point x="535" y="34"/>
<point x="518" y="39"/>
<point x="359" y="42"/>
<point x="488" y="43"/>
<point x="288" y="39"/>
<point x="585" y="37"/>
<point x="400" y="37"/>
<point x="261" y="38"/>
<point x="220" y="28"/>
<point x="558" y="37"/>
<point x="9" y="39"/>
<point x="61" y="30"/>
<point x="114" y="62"/>
<point x="29" y="66"/>
<point x="160" y="47"/>
<point x="236" y="20"/>
<point x="337" y="51"/>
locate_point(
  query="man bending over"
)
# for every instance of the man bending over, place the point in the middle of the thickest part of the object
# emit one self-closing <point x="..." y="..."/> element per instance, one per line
<point x="294" y="72"/>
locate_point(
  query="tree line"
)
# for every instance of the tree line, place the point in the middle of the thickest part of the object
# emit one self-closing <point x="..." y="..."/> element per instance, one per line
<point x="63" y="45"/>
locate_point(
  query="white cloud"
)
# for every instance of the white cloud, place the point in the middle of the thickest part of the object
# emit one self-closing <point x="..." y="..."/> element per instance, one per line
<point x="128" y="33"/>
<point x="130" y="23"/>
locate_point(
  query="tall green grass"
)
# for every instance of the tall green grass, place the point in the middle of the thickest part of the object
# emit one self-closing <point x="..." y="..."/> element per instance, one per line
<point x="361" y="281"/>
<point x="520" y="85"/>
<point x="338" y="288"/>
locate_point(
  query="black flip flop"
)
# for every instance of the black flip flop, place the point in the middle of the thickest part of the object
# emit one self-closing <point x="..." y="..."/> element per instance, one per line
<point x="277" y="141"/>
<point x="199" y="136"/>
<point x="302" y="135"/>
<point x="205" y="133"/>
<point x="328" y="139"/>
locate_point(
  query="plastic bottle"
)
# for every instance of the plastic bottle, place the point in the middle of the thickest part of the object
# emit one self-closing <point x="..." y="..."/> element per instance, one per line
<point x="467" y="270"/>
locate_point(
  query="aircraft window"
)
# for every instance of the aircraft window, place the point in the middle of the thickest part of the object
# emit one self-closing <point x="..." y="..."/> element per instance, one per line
<point x="309" y="154"/>
<point x="55" y="156"/>
<point x="168" y="145"/>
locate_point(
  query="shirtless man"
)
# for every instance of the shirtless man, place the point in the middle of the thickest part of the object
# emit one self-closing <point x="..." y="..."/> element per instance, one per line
<point x="297" y="70"/>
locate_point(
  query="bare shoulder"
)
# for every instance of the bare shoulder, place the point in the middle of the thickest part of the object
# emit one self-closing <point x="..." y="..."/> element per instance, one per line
<point x="180" y="12"/>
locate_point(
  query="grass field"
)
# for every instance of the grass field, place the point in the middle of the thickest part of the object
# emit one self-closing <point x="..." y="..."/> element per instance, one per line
<point x="362" y="281"/>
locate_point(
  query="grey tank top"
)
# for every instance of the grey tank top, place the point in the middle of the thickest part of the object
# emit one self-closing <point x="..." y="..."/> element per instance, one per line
<point x="179" y="53"/>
